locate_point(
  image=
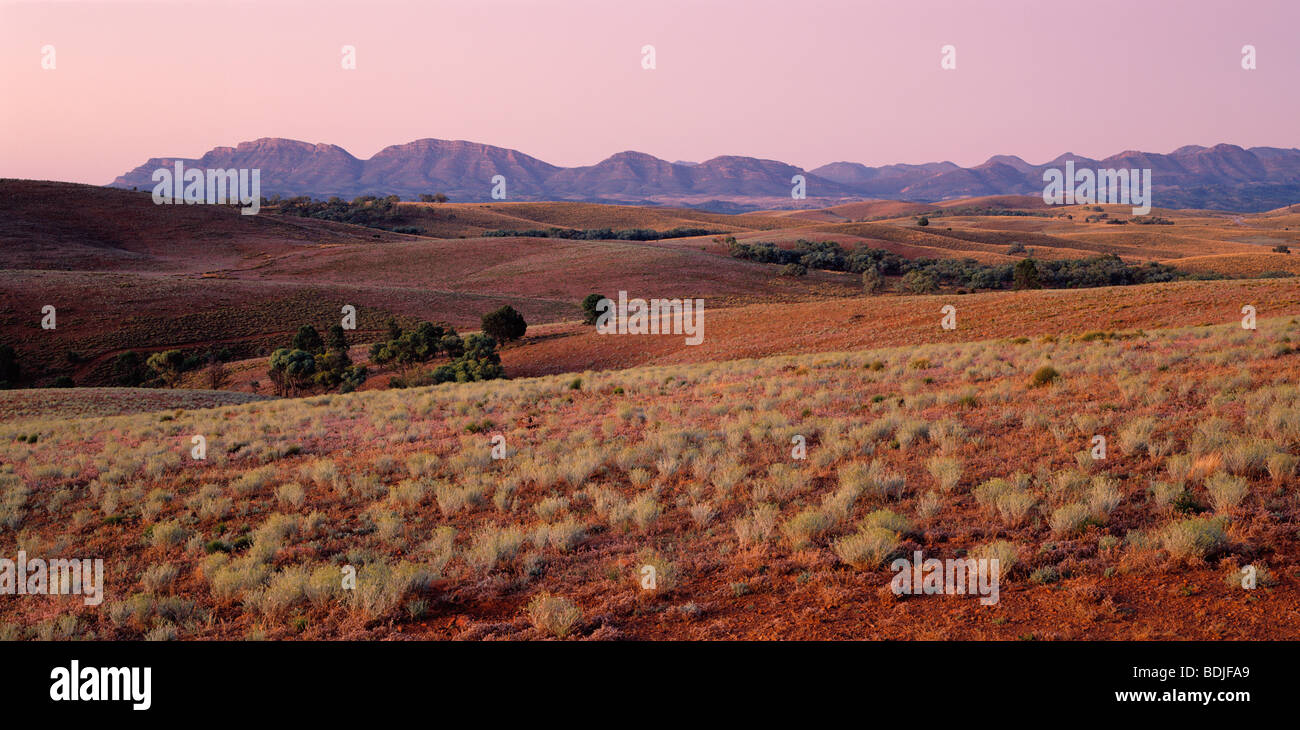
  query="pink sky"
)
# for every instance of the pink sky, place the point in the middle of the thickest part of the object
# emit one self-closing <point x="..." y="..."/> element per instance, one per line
<point x="802" y="81"/>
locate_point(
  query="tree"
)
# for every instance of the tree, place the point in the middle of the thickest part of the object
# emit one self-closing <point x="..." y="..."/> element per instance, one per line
<point x="435" y="198"/>
<point x="129" y="370"/>
<point x="923" y="221"/>
<point x="589" y="311"/>
<point x="9" y="370"/>
<point x="872" y="281"/>
<point x="337" y="339"/>
<point x="1026" y="275"/>
<point x="504" y="324"/>
<point x="291" y="370"/>
<point x="215" y="373"/>
<point x="479" y="361"/>
<point x="410" y="348"/>
<point x="308" y="340"/>
<point x="394" y="329"/>
<point x="167" y="364"/>
<point x="920" y="282"/>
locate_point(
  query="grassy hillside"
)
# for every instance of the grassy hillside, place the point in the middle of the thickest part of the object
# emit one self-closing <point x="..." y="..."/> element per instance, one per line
<point x="968" y="448"/>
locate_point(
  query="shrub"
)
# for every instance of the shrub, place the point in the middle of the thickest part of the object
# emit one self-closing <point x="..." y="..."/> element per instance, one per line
<point x="872" y="281"/>
<point x="381" y="587"/>
<point x="1103" y="497"/>
<point x="1070" y="519"/>
<point x="1197" y="537"/>
<point x="1226" y="491"/>
<point x="167" y="534"/>
<point x="867" y="548"/>
<point x="554" y="615"/>
<point x="1006" y="553"/>
<point x="158" y="577"/>
<point x="290" y="494"/>
<point x="491" y="545"/>
<point x="662" y="576"/>
<point x="702" y="514"/>
<point x="566" y="534"/>
<point x="806" y="526"/>
<point x="1046" y="375"/>
<point x="888" y="520"/>
<point x="758" y="527"/>
<point x="1281" y="466"/>
<point x="946" y="472"/>
<point x="1014" y="506"/>
<point x="645" y="510"/>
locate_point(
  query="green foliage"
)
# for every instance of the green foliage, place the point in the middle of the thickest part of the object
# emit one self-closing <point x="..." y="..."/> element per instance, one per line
<point x="168" y="365"/>
<point x="471" y="358"/>
<point x="308" y="340"/>
<point x="920" y="282"/>
<point x="423" y="344"/>
<point x="337" y="339"/>
<point x="1026" y="275"/>
<point x="1106" y="270"/>
<point x="589" y="308"/>
<point x="366" y="210"/>
<point x="504" y="324"/>
<point x="291" y="370"/>
<point x="1045" y="375"/>
<point x="872" y="281"/>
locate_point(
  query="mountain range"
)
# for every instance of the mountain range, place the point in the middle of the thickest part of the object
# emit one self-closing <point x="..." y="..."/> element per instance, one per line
<point x="1222" y="177"/>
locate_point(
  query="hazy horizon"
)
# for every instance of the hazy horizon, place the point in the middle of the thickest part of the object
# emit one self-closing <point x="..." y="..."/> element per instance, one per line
<point x="806" y="84"/>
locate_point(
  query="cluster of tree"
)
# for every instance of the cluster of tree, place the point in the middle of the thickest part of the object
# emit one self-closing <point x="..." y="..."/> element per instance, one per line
<point x="826" y="255"/>
<point x="167" y="367"/>
<point x="311" y="362"/>
<point x="366" y="210"/>
<point x="925" y="275"/>
<point x="603" y="234"/>
<point x="435" y="198"/>
<point x="472" y="358"/>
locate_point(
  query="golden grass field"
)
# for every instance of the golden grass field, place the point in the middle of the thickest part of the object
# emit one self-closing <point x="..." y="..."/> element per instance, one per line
<point x="946" y="448"/>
